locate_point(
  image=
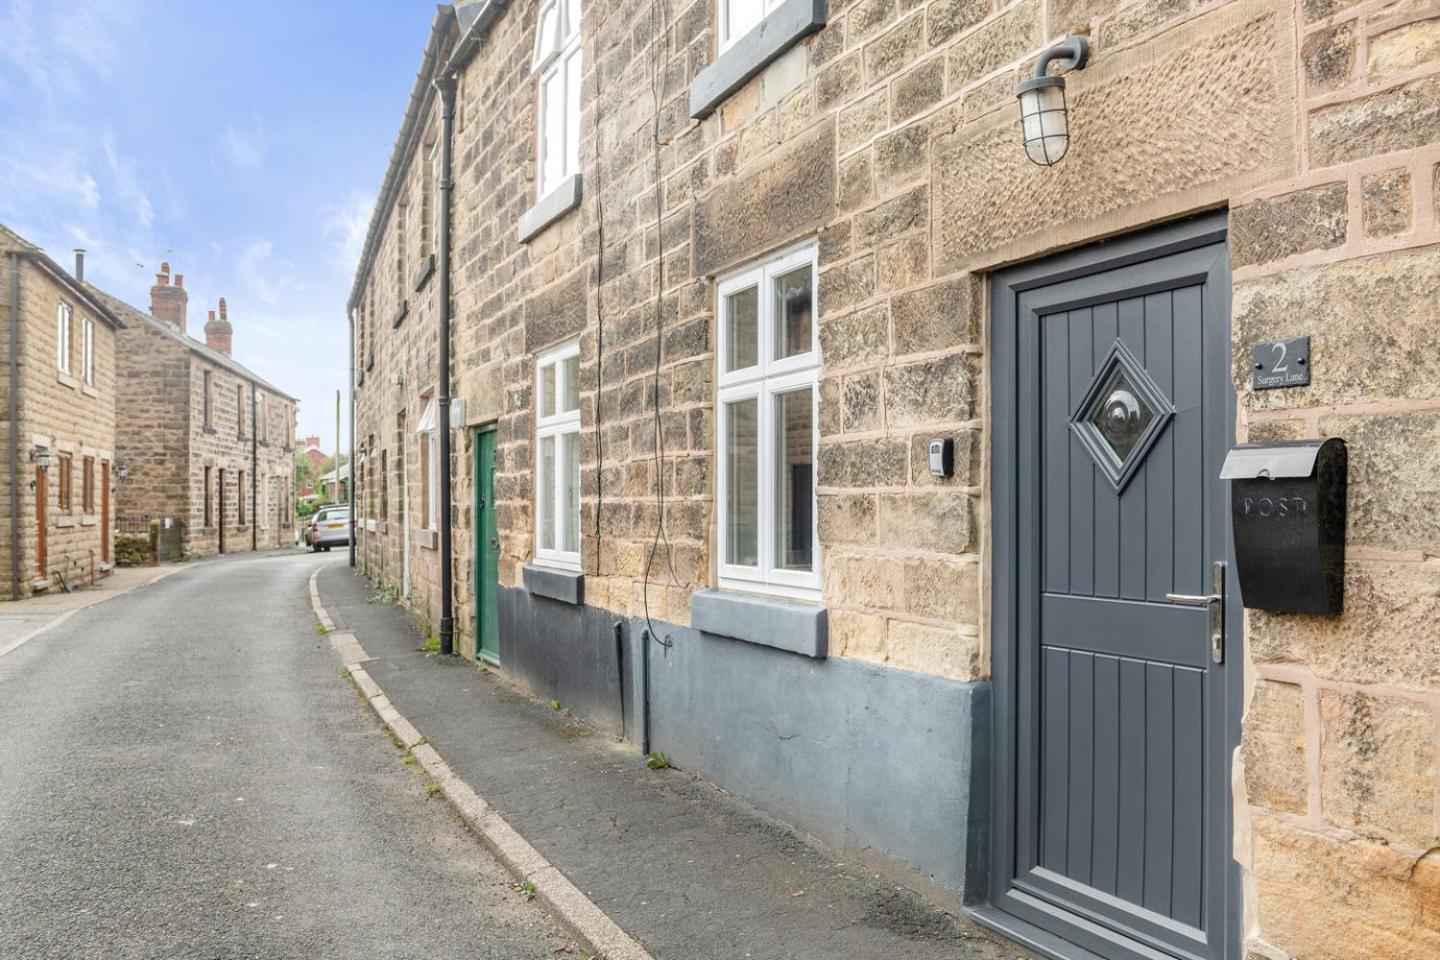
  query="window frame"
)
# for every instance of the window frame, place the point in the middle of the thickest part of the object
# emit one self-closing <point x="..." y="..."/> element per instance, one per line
<point x="429" y="465"/>
<point x="66" y="481"/>
<point x="87" y="485"/>
<point x="763" y="382"/>
<point x="558" y="426"/>
<point x="64" y="317"/>
<point x="724" y="32"/>
<point x="87" y="350"/>
<point x="208" y="402"/>
<point x="548" y="61"/>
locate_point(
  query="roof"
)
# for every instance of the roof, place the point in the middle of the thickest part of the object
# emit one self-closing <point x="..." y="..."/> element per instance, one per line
<point x="141" y="318"/>
<point x="421" y="93"/>
<point x="12" y="242"/>
<point x="330" y="477"/>
<point x="471" y="18"/>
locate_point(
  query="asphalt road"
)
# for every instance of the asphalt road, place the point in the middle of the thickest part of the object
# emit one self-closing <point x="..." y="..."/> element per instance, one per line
<point x="184" y="774"/>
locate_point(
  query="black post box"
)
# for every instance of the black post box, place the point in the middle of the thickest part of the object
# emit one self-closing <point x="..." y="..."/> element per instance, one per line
<point x="1288" y="510"/>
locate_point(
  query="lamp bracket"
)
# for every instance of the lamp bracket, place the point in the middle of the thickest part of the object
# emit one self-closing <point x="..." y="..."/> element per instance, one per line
<point x="1072" y="53"/>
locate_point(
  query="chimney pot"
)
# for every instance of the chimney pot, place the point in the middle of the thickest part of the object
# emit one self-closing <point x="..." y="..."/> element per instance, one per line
<point x="80" y="264"/>
<point x="222" y="308"/>
<point x="168" y="302"/>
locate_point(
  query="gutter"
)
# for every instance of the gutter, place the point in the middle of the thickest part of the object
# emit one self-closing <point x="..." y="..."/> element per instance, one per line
<point x="350" y="484"/>
<point x="446" y="84"/>
<point x="14" y="426"/>
<point x="254" y="469"/>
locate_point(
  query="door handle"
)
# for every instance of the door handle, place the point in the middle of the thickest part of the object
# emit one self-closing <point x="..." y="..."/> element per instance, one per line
<point x="1216" y="604"/>
<point x="494" y="543"/>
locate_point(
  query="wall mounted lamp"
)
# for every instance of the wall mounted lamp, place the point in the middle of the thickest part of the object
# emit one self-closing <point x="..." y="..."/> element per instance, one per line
<point x="1044" y="121"/>
<point x="122" y="472"/>
<point x="40" y="456"/>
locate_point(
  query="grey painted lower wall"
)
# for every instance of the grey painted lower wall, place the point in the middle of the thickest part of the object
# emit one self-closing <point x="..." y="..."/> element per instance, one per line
<point x="886" y="765"/>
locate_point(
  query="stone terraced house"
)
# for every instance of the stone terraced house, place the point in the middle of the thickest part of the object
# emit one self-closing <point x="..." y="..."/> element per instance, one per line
<point x="57" y="482"/>
<point x="205" y="441"/>
<point x="786" y="407"/>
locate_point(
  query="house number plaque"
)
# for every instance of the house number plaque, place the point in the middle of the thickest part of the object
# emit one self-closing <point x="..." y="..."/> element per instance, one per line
<point x="1282" y="363"/>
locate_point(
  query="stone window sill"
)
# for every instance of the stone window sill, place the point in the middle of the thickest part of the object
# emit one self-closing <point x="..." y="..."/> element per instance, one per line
<point x="242" y="528"/>
<point x="207" y="429"/>
<point x="567" y="586"/>
<point x="65" y="521"/>
<point x="207" y="530"/>
<point x="781" y="29"/>
<point x="427" y="267"/>
<point x="549" y="208"/>
<point x="40" y="583"/>
<point x="400" y="314"/>
<point x="89" y="520"/>
<point x="65" y="378"/>
<point x="88" y="390"/>
<point x="790" y="625"/>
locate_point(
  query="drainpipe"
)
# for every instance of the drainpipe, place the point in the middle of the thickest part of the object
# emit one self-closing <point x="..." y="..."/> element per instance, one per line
<point x="14" y="426"/>
<point x="350" y="484"/>
<point x="446" y="85"/>
<point x="254" y="470"/>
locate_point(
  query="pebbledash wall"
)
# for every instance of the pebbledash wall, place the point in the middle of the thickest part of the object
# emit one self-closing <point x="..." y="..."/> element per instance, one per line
<point x="889" y="138"/>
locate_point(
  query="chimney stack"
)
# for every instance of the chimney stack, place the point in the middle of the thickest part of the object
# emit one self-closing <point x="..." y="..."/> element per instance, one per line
<point x="219" y="333"/>
<point x="79" y="264"/>
<point x="166" y="302"/>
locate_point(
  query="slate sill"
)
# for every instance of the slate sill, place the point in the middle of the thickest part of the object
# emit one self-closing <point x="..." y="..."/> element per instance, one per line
<point x="781" y="29"/>
<point x="566" y="586"/>
<point x="549" y="208"/>
<point x="790" y="625"/>
<point x="427" y="267"/>
<point x="400" y="314"/>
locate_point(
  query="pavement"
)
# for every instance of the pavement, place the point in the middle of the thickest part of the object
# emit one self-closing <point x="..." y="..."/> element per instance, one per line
<point x="685" y="870"/>
<point x="22" y="620"/>
<point x="185" y="773"/>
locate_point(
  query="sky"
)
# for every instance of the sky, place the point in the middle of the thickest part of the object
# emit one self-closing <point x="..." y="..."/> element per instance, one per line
<point x="244" y="143"/>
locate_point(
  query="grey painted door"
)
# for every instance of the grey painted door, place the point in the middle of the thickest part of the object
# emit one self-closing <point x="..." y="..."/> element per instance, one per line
<point x="1113" y="389"/>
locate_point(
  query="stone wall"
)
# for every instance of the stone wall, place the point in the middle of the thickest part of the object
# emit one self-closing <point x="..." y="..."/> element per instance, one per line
<point x="154" y="384"/>
<point x="891" y="137"/>
<point x="68" y="417"/>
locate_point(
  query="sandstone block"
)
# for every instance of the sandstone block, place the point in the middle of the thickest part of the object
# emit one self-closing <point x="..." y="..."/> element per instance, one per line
<point x="862" y="581"/>
<point x="1401" y="118"/>
<point x="867" y="17"/>
<point x="857" y="181"/>
<point x="861" y="121"/>
<point x="1329" y="57"/>
<point x="1327" y="899"/>
<point x="1136" y="20"/>
<point x="968" y="447"/>
<point x="878" y="462"/>
<point x="839" y="81"/>
<point x="789" y="196"/>
<point x="924" y="648"/>
<point x="1385" y="309"/>
<point x="999" y="42"/>
<point x="1389" y="608"/>
<point x="917" y="90"/>
<point x="1403" y="48"/>
<point x="1231" y="67"/>
<point x="1278" y="227"/>
<point x="1386" y="200"/>
<point x="897" y="49"/>
<point x="846" y="518"/>
<point x="1273" y="746"/>
<point x="935" y="521"/>
<point x="893" y="217"/>
<point x="903" y="263"/>
<point x="944" y="315"/>
<point x="931" y="391"/>
<point x="1394" y="479"/>
<point x="860" y="397"/>
<point x="1377" y="766"/>
<point x="860" y="636"/>
<point x="847" y="285"/>
<point x="856" y="338"/>
<point x="901" y="156"/>
<point x="943" y="590"/>
<point x="949" y="17"/>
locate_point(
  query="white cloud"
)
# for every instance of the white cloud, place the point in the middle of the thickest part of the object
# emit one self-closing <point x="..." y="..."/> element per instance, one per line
<point x="346" y="225"/>
<point x="244" y="146"/>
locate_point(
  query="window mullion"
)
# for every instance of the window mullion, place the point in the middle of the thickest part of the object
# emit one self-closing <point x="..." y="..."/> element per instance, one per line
<point x="765" y="493"/>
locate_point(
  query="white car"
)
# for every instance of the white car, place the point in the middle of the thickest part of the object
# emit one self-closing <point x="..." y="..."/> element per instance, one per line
<point x="330" y="527"/>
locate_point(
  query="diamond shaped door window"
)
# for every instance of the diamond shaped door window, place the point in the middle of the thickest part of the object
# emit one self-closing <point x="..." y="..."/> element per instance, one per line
<point x="1121" y="416"/>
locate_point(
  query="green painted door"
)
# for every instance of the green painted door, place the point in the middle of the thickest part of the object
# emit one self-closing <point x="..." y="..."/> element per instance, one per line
<point x="487" y="550"/>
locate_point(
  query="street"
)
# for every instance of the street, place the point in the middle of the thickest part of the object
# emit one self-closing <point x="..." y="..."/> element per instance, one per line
<point x="184" y="773"/>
